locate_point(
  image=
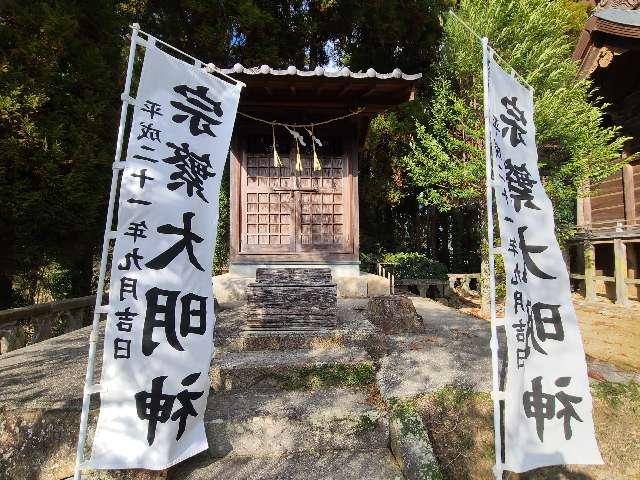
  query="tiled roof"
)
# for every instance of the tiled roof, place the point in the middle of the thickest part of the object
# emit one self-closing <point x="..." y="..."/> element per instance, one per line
<point x="618" y="15"/>
<point x="320" y="72"/>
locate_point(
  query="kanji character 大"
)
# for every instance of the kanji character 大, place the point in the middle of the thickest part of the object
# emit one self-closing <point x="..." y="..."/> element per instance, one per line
<point x="186" y="243"/>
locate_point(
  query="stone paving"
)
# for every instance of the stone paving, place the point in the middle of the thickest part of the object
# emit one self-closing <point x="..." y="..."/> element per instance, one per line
<point x="44" y="381"/>
<point x="454" y="348"/>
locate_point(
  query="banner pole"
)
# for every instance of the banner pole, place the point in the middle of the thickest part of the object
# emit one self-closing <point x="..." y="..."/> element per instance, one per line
<point x="89" y="386"/>
<point x="496" y="394"/>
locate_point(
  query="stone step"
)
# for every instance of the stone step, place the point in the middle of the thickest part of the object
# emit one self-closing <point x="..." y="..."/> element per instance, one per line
<point x="313" y="339"/>
<point x="278" y="423"/>
<point x="264" y="369"/>
<point x="294" y="276"/>
<point x="372" y="465"/>
<point x="291" y="297"/>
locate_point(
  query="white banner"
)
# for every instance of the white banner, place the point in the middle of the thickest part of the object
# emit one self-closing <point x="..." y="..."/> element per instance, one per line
<point x="548" y="408"/>
<point x="159" y="331"/>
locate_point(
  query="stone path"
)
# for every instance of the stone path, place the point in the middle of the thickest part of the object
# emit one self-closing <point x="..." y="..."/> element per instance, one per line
<point x="454" y="348"/>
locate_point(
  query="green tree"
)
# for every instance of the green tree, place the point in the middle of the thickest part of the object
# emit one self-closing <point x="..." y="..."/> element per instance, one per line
<point x="447" y="159"/>
<point x="59" y="89"/>
<point x="61" y="74"/>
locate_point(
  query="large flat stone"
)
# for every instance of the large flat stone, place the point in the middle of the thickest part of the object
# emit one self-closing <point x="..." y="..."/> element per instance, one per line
<point x="259" y="423"/>
<point x="48" y="374"/>
<point x="319" y="339"/>
<point x="259" y="370"/>
<point x="454" y="348"/>
<point x="372" y="465"/>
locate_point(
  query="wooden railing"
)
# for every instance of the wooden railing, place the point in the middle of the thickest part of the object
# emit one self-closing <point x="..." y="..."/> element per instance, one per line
<point x="388" y="270"/>
<point x="620" y="225"/>
<point x="27" y="325"/>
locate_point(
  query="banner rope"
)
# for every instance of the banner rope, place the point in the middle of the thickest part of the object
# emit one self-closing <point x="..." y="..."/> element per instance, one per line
<point x="493" y="50"/>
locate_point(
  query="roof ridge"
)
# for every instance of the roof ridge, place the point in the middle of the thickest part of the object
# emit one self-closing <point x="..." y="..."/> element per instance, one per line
<point x="238" y="68"/>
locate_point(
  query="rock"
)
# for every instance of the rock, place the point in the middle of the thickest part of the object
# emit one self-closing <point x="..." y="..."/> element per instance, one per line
<point x="394" y="314"/>
<point x="412" y="449"/>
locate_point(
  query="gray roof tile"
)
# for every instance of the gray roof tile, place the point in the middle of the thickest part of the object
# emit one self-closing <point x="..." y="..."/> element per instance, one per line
<point x="618" y="15"/>
<point x="320" y="72"/>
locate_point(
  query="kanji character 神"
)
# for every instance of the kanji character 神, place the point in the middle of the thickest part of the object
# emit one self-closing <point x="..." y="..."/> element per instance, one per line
<point x="156" y="406"/>
<point x="542" y="406"/>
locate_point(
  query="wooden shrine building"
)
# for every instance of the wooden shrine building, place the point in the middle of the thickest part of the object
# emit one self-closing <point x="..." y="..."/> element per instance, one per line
<point x="605" y="255"/>
<point x="293" y="214"/>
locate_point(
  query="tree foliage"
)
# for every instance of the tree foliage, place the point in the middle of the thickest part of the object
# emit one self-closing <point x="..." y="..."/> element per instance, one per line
<point x="421" y="173"/>
<point x="61" y="75"/>
<point x="59" y="82"/>
<point x="534" y="37"/>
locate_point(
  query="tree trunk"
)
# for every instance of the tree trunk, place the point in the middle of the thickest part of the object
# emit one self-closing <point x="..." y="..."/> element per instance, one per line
<point x="6" y="291"/>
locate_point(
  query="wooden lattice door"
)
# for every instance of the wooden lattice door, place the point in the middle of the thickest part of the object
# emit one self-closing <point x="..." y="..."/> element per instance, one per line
<point x="288" y="211"/>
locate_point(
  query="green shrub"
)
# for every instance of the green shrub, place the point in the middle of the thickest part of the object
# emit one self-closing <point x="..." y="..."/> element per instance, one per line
<point x="416" y="265"/>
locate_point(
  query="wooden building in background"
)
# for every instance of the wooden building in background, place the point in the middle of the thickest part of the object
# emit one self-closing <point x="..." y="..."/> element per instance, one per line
<point x="606" y="251"/>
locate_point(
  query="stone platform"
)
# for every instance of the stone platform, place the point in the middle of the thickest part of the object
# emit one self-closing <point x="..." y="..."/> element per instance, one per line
<point x="254" y="421"/>
<point x="232" y="287"/>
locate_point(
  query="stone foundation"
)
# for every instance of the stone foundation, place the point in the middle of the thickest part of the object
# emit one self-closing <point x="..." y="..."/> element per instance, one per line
<point x="230" y="287"/>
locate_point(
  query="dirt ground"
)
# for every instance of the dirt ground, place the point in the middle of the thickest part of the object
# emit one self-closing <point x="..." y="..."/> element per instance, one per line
<point x="460" y="422"/>
<point x="610" y="333"/>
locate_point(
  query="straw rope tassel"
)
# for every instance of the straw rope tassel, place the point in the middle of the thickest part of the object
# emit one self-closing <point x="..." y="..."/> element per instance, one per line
<point x="277" y="162"/>
<point x="298" y="158"/>
<point x="316" y="161"/>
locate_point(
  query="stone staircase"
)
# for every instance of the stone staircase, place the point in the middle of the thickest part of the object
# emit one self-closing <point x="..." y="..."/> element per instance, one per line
<point x="292" y="299"/>
<point x="279" y="408"/>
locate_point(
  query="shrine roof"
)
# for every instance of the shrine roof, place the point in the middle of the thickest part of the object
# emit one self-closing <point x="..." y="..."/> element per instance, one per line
<point x="607" y="33"/>
<point x="322" y="88"/>
<point x="618" y="15"/>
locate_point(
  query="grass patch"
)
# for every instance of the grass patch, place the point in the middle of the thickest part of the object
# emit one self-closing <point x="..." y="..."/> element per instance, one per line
<point x="357" y="375"/>
<point x="460" y="425"/>
<point x="614" y="394"/>
<point x="431" y="471"/>
<point x="410" y="421"/>
<point x="368" y="422"/>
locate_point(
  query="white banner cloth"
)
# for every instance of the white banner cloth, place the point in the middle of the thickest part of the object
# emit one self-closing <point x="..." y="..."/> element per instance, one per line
<point x="548" y="408"/>
<point x="159" y="331"/>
